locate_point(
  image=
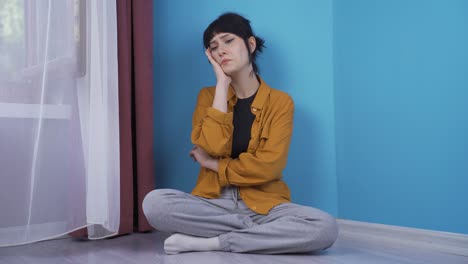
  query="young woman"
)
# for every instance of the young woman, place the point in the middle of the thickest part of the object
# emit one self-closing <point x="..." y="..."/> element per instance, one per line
<point x="241" y="134"/>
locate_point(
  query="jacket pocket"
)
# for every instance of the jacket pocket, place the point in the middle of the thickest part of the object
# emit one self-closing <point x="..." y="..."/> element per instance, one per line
<point x="258" y="141"/>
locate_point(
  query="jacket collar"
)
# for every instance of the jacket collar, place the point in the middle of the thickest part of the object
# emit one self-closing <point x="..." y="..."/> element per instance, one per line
<point x="260" y="98"/>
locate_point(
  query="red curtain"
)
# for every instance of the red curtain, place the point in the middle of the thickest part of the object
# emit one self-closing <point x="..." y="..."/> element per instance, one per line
<point x="135" y="51"/>
<point x="135" y="58"/>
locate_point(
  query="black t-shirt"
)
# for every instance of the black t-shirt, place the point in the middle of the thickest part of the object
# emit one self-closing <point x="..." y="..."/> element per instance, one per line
<point x="242" y="122"/>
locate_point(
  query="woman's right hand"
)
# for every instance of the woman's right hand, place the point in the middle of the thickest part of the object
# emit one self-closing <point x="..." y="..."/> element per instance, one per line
<point x="221" y="76"/>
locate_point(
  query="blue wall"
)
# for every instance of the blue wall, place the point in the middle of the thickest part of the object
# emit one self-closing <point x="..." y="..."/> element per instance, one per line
<point x="297" y="59"/>
<point x="401" y="89"/>
<point x="390" y="77"/>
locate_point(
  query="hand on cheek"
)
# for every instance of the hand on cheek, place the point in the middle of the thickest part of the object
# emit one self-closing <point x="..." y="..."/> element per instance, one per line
<point x="221" y="76"/>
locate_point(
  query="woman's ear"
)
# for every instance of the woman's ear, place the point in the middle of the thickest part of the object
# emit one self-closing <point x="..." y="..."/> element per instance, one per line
<point x="252" y="44"/>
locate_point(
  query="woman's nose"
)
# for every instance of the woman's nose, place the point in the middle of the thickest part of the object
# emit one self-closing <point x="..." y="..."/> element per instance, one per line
<point x="221" y="50"/>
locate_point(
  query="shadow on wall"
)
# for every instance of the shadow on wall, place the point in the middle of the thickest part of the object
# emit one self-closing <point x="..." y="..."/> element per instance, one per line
<point x="306" y="170"/>
<point x="302" y="166"/>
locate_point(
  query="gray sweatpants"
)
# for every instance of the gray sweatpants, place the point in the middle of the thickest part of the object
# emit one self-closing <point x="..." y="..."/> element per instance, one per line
<point x="287" y="228"/>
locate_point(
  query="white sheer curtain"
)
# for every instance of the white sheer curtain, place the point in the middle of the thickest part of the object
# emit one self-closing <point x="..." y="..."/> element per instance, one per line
<point x="59" y="123"/>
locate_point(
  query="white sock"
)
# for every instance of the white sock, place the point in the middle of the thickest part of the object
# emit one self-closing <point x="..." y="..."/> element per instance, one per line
<point x="178" y="243"/>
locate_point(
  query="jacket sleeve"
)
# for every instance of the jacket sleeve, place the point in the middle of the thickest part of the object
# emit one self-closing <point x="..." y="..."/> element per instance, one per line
<point x="268" y="161"/>
<point x="211" y="128"/>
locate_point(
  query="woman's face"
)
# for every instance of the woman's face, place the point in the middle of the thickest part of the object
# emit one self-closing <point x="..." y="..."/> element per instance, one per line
<point x="230" y="52"/>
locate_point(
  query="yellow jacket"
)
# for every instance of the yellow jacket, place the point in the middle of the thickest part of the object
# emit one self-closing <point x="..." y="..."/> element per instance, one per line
<point x="258" y="171"/>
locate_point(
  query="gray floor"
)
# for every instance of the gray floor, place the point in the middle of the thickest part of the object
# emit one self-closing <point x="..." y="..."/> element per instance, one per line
<point x="148" y="248"/>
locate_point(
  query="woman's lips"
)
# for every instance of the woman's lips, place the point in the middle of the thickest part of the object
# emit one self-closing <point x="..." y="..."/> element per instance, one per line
<point x="225" y="61"/>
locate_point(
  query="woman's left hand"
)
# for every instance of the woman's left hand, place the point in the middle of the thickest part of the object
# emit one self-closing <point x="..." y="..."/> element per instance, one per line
<point x="205" y="160"/>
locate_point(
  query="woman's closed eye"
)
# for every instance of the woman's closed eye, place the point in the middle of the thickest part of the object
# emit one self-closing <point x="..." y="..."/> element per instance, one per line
<point x="227" y="42"/>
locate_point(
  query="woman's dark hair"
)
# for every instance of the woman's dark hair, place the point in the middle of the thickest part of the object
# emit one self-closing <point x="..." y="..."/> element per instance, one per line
<point x="238" y="25"/>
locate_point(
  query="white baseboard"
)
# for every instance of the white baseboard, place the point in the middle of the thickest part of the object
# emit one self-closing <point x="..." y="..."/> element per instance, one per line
<point x="445" y="242"/>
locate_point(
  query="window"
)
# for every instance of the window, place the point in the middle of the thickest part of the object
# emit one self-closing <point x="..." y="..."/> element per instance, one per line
<point x="36" y="41"/>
